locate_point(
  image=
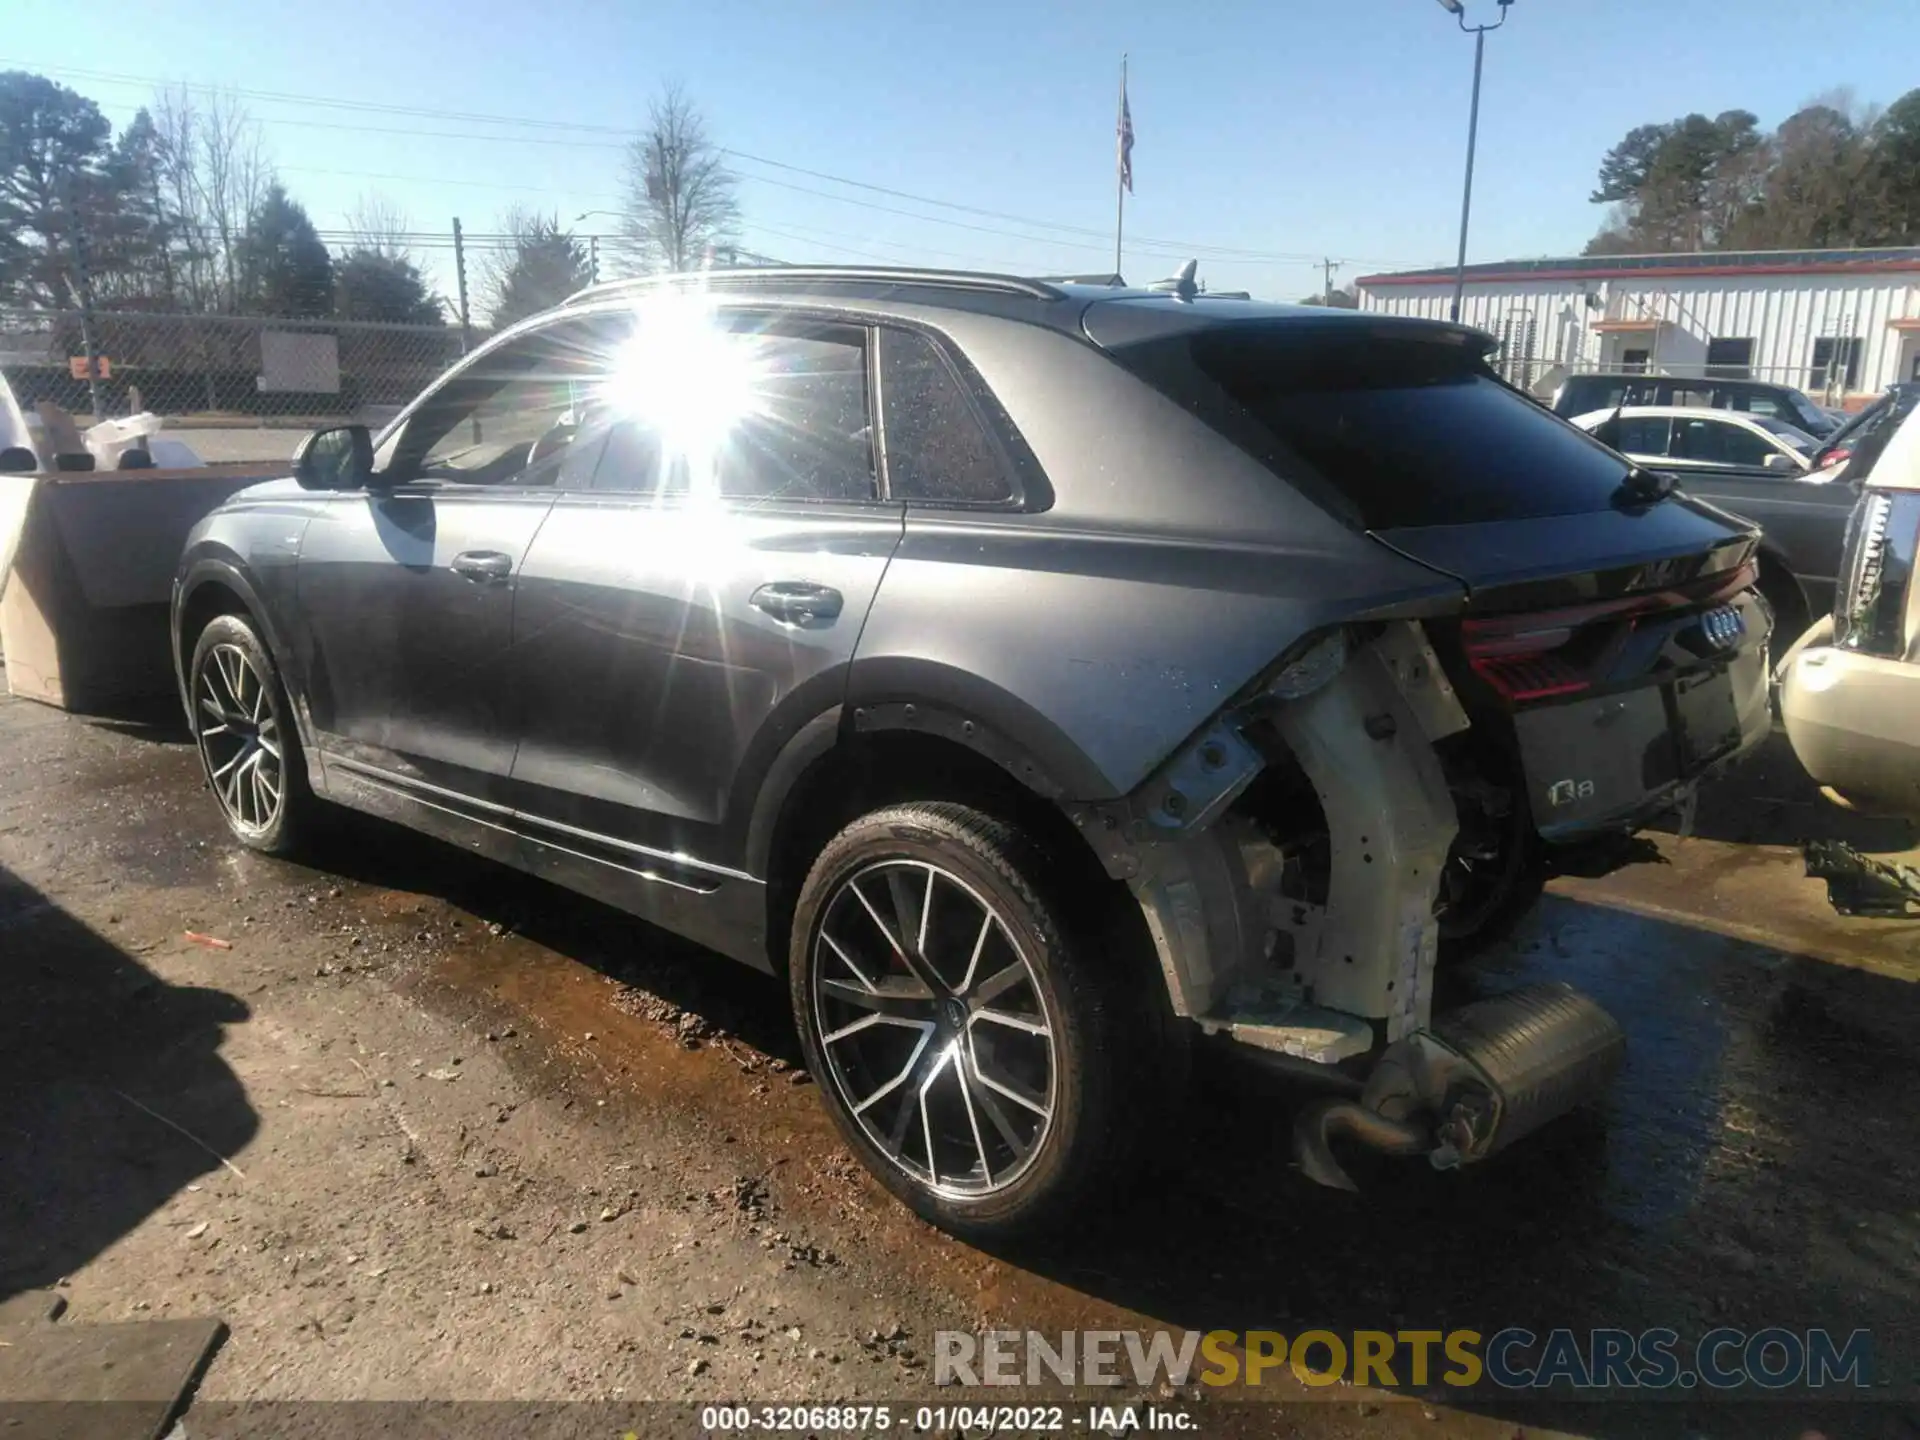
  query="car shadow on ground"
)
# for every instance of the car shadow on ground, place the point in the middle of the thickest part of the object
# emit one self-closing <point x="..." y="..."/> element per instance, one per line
<point x="88" y="1037"/>
<point x="728" y="997"/>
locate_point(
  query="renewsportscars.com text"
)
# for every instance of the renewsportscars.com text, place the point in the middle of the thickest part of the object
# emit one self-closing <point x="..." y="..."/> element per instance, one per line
<point x="1775" y="1358"/>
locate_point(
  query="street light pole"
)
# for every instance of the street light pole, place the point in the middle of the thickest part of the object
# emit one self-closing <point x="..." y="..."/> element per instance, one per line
<point x="1479" y="33"/>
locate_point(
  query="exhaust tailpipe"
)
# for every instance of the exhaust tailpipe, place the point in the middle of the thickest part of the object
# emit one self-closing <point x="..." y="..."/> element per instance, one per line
<point x="1317" y="1124"/>
<point x="1481" y="1077"/>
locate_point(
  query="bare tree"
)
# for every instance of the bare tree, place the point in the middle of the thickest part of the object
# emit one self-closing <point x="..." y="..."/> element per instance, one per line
<point x="379" y="226"/>
<point x="680" y="204"/>
<point x="214" y="168"/>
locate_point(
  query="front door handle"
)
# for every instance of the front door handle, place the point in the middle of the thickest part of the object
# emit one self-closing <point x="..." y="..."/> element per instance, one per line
<point x="797" y="603"/>
<point x="482" y="566"/>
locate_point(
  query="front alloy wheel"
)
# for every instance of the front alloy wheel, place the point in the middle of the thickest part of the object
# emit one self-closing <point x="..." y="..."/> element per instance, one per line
<point x="244" y="730"/>
<point x="239" y="739"/>
<point x="934" y="1027"/>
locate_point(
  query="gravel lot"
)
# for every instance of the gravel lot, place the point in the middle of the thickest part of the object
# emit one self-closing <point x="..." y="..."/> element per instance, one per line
<point x="459" y="1135"/>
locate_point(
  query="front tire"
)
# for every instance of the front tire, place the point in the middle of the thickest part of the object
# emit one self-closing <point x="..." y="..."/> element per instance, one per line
<point x="977" y="1059"/>
<point x="249" y="748"/>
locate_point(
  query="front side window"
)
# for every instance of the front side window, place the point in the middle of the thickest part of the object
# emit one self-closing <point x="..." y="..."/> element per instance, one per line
<point x="514" y="414"/>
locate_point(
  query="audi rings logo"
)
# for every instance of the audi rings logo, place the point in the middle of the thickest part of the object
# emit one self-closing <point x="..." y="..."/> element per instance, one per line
<point x="1723" y="627"/>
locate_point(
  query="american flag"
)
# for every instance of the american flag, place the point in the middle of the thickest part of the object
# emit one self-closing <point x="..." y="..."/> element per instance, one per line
<point x="1125" y="135"/>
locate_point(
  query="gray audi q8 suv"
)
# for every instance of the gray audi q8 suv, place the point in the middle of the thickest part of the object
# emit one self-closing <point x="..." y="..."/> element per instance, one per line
<point x="1037" y="676"/>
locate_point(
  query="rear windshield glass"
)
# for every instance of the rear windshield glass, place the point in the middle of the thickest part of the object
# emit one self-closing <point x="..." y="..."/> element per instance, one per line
<point x="1407" y="429"/>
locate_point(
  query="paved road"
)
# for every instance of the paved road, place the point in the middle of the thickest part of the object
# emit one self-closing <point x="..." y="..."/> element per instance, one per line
<point x="480" y="1158"/>
<point x="221" y="444"/>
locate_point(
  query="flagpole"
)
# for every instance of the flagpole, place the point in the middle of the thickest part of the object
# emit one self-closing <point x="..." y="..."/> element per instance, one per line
<point x="1119" y="179"/>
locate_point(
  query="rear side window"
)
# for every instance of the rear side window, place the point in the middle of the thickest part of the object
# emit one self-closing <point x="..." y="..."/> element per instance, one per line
<point x="938" y="450"/>
<point x="1409" y="427"/>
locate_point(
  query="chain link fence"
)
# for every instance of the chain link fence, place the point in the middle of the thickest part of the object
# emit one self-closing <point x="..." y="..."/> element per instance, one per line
<point x="235" y="388"/>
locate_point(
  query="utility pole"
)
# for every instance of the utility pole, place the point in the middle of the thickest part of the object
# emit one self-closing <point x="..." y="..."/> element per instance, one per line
<point x="1328" y="266"/>
<point x="460" y="274"/>
<point x="83" y="288"/>
<point x="466" y="326"/>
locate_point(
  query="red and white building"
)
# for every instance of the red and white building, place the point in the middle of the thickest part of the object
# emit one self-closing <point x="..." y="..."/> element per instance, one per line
<point x="1839" y="324"/>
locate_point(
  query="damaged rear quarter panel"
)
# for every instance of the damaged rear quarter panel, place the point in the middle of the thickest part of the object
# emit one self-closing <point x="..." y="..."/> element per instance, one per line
<point x="1167" y="572"/>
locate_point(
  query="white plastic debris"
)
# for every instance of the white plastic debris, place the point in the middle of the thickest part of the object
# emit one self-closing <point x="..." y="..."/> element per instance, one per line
<point x="110" y="440"/>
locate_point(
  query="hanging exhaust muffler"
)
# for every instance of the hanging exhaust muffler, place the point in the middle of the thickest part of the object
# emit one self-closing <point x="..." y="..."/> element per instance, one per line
<point x="1477" y="1079"/>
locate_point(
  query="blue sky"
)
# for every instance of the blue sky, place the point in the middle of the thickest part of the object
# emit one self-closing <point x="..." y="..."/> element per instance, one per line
<point x="1280" y="130"/>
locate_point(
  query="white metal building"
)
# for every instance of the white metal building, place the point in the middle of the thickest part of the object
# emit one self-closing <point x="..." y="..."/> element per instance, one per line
<point x="1840" y="324"/>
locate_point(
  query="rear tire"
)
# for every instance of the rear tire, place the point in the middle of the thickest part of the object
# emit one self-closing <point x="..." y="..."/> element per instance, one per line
<point x="981" y="1056"/>
<point x="249" y="746"/>
<point x="1497" y="867"/>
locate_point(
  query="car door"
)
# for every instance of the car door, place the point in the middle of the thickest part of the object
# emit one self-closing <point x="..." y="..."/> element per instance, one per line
<point x="1725" y="462"/>
<point x="682" y="613"/>
<point x="407" y="590"/>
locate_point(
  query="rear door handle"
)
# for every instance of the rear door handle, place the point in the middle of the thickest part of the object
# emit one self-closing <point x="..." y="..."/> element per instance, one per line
<point x="797" y="603"/>
<point x="482" y="566"/>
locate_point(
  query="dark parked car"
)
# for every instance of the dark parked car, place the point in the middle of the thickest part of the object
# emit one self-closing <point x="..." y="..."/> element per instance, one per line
<point x="1037" y="677"/>
<point x="1580" y="394"/>
<point x="1858" y="443"/>
<point x="1760" y="470"/>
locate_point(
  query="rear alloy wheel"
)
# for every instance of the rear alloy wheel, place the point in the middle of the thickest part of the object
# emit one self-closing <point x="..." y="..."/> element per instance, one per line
<point x="967" y="1053"/>
<point x="247" y="743"/>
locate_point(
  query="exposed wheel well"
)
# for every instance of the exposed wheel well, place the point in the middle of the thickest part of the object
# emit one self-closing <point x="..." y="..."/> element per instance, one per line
<point x="209" y="599"/>
<point x="870" y="771"/>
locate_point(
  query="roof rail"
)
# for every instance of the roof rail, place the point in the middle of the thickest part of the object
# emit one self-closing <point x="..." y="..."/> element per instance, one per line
<point x="798" y="275"/>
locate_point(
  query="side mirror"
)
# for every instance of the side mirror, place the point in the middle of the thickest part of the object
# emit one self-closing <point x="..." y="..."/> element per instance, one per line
<point x="18" y="460"/>
<point x="338" y="458"/>
<point x="1784" y="463"/>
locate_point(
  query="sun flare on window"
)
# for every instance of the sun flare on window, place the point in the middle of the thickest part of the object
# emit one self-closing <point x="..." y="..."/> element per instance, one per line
<point x="689" y="379"/>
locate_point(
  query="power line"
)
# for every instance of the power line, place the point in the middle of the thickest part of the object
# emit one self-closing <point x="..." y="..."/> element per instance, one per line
<point x="1162" y="246"/>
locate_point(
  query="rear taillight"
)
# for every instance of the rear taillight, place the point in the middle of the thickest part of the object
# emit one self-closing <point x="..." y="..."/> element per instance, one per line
<point x="1876" y="570"/>
<point x="1530" y="677"/>
<point x="1548" y="653"/>
<point x="1832" y="455"/>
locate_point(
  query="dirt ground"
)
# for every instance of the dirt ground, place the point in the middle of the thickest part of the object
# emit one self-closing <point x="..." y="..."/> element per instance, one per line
<point x="418" y="1127"/>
